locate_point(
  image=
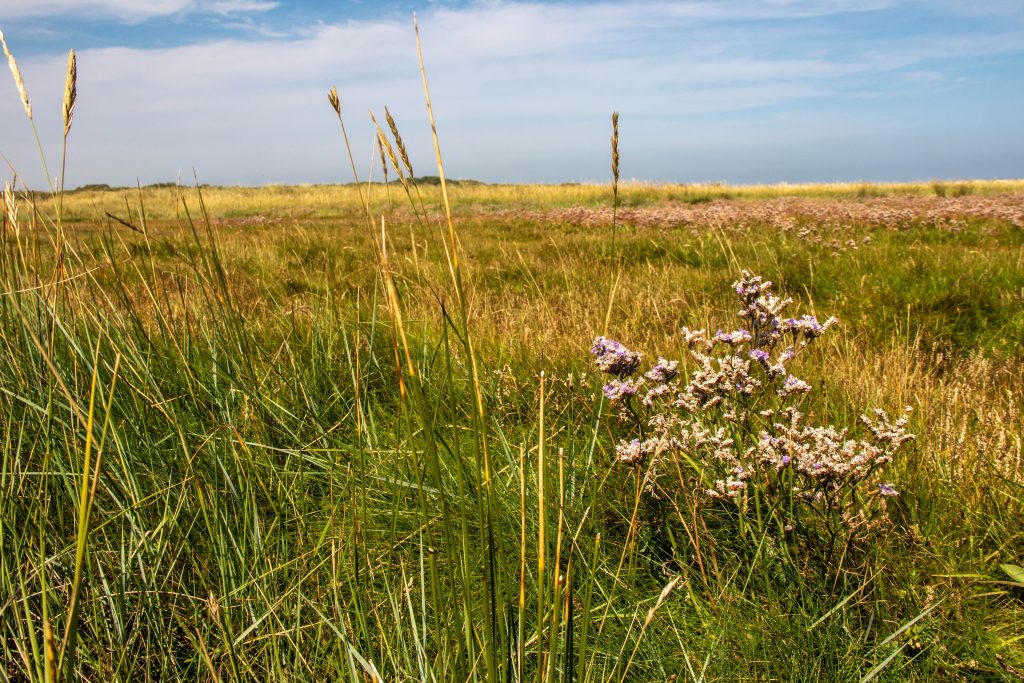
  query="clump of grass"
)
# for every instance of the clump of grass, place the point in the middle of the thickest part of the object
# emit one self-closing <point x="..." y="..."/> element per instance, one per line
<point x="962" y="189"/>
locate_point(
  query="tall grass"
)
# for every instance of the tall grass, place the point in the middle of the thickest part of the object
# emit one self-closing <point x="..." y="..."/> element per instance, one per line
<point x="365" y="443"/>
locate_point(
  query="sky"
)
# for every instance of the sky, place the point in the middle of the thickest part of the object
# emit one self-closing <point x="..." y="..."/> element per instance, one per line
<point x="735" y="91"/>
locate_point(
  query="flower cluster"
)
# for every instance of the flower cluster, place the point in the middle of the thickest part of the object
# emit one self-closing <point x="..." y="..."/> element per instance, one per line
<point x="822" y="456"/>
<point x="613" y="358"/>
<point x="734" y="418"/>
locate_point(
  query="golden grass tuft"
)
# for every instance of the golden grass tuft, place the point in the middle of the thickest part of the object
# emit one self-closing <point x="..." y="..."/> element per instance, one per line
<point x="18" y="81"/>
<point x="70" y="91"/>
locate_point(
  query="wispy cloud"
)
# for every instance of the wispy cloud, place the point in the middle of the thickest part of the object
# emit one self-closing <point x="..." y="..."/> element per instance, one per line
<point x="239" y="6"/>
<point x="532" y="84"/>
<point x="127" y="10"/>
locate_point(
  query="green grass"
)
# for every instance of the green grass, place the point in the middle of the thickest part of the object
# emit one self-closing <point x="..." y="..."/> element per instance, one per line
<point x="246" y="439"/>
<point x="266" y="507"/>
<point x="331" y="200"/>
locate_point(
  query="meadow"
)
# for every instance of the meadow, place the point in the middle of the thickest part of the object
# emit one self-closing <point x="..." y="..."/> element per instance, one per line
<point x="382" y="432"/>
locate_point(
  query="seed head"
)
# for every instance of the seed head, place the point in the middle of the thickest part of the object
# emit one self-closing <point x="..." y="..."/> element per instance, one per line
<point x="332" y="97"/>
<point x="386" y="144"/>
<point x="398" y="141"/>
<point x="18" y="81"/>
<point x="383" y="161"/>
<point x="70" y="91"/>
<point x="615" y="147"/>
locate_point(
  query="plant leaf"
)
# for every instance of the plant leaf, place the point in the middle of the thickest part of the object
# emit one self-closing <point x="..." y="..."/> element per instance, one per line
<point x="1014" y="571"/>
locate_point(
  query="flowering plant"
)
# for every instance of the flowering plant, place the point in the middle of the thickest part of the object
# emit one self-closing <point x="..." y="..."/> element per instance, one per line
<point x="732" y="427"/>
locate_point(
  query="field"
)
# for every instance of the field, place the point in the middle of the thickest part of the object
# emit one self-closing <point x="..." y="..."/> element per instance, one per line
<point x="270" y="434"/>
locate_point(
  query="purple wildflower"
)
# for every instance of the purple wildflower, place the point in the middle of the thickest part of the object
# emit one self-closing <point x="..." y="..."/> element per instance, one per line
<point x="732" y="338"/>
<point x="636" y="451"/>
<point x="887" y="490"/>
<point x="616" y="390"/>
<point x="613" y="358"/>
<point x="664" y="371"/>
<point x="809" y="326"/>
<point x="794" y="385"/>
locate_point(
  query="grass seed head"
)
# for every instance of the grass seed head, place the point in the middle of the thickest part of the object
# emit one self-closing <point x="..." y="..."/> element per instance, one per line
<point x="332" y="97"/>
<point x="383" y="161"/>
<point x="70" y="91"/>
<point x="398" y="141"/>
<point x="18" y="81"/>
<point x="615" y="147"/>
<point x="386" y="144"/>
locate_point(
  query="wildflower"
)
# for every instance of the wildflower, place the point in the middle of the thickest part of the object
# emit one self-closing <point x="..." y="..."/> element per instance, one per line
<point x="661" y="374"/>
<point x="615" y="359"/>
<point x="709" y="386"/>
<point x="727" y="488"/>
<point x="794" y="385"/>
<point x="760" y="356"/>
<point x="636" y="451"/>
<point x="616" y="390"/>
<point x="733" y="338"/>
<point x="887" y="490"/>
<point x="696" y="339"/>
<point x="894" y="434"/>
<point x="761" y="308"/>
<point x="820" y="466"/>
<point x="663" y="371"/>
<point x="654" y="393"/>
<point x="630" y="452"/>
<point x="809" y="326"/>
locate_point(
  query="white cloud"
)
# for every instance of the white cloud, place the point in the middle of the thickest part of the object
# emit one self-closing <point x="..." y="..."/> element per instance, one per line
<point x="238" y="6"/>
<point x="127" y="10"/>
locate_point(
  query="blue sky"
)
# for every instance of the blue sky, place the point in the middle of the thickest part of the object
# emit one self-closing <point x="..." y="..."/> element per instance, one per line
<point x="709" y="90"/>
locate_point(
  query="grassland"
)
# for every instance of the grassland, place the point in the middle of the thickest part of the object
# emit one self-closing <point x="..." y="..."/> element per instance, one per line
<point x="346" y="433"/>
<point x="226" y="456"/>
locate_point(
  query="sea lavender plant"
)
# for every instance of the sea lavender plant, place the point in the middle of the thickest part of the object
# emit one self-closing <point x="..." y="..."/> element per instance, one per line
<point x="734" y="425"/>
